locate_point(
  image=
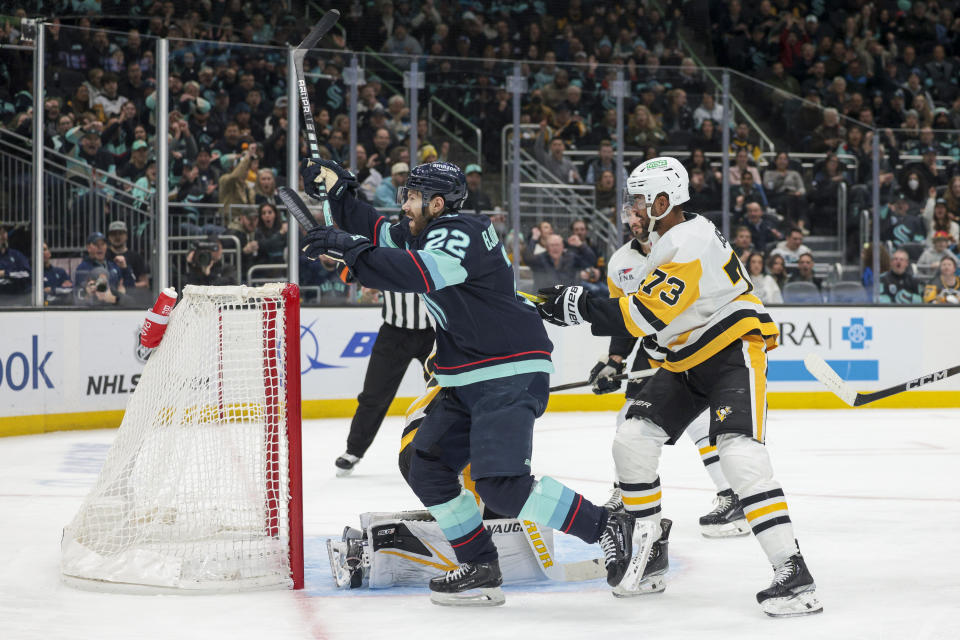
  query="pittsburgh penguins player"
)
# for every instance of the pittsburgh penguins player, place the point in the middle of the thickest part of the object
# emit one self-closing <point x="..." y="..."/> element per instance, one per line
<point x="695" y="299"/>
<point x="623" y="269"/>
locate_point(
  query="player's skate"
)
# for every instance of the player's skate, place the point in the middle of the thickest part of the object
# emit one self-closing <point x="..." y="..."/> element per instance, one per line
<point x="348" y="558"/>
<point x="617" y="544"/>
<point x="652" y="571"/>
<point x="792" y="592"/>
<point x="726" y="519"/>
<point x="472" y="584"/>
<point x="615" y="501"/>
<point x="345" y="464"/>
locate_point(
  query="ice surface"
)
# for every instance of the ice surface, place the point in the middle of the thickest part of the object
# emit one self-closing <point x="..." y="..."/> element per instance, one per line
<point x="873" y="494"/>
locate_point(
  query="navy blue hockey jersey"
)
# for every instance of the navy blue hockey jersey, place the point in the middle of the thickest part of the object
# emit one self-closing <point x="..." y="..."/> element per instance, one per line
<point x="460" y="268"/>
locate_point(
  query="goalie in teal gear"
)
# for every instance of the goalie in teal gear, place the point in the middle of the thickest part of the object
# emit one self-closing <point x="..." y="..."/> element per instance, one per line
<point x="493" y="360"/>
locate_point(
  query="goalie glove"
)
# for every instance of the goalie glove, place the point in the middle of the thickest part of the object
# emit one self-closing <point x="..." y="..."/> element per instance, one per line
<point x="335" y="178"/>
<point x="563" y="306"/>
<point x="602" y="376"/>
<point x="336" y="244"/>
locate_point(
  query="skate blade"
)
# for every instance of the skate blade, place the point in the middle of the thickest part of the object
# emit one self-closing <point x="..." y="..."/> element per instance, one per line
<point x="643" y="539"/>
<point x="343" y="473"/>
<point x="486" y="597"/>
<point x="652" y="584"/>
<point x="801" y="604"/>
<point x="729" y="530"/>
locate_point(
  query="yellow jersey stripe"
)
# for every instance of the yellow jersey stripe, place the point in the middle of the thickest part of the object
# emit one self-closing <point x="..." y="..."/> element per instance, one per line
<point x="758" y="362"/>
<point x="615" y="291"/>
<point x="713" y="346"/>
<point x="706" y="450"/>
<point x="626" y="310"/>
<point x="407" y="439"/>
<point x="642" y="499"/>
<point x="423" y="400"/>
<point x="770" y="508"/>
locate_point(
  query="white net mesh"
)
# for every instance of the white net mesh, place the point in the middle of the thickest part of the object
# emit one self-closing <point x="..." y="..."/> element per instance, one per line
<point x="194" y="491"/>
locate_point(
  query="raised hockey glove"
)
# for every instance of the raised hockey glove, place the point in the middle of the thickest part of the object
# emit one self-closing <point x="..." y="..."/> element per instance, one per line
<point x="563" y="306"/>
<point x="337" y="244"/>
<point x="602" y="376"/>
<point x="329" y="174"/>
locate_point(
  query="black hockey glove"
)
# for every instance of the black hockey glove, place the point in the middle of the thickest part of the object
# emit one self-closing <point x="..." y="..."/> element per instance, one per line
<point x="329" y="174"/>
<point x="563" y="306"/>
<point x="336" y="244"/>
<point x="602" y="376"/>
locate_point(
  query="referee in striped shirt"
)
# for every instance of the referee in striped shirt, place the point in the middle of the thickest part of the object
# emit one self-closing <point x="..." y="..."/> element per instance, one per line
<point x="406" y="333"/>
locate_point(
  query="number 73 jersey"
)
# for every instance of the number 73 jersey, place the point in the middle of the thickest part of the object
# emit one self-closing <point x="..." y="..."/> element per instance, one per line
<point x="694" y="296"/>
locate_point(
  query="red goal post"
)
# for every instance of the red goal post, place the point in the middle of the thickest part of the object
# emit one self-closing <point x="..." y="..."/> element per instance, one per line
<point x="201" y="490"/>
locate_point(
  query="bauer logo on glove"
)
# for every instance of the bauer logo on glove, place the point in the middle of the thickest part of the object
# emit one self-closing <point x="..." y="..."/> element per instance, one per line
<point x="562" y="306"/>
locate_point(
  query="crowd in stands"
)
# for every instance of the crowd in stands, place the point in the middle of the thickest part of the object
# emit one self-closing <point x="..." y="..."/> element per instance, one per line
<point x="876" y="64"/>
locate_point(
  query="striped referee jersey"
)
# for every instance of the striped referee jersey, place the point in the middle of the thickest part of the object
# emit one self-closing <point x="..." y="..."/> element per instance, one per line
<point x="405" y="311"/>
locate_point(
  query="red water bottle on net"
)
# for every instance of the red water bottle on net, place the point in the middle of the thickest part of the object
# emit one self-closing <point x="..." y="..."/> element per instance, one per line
<point x="151" y="333"/>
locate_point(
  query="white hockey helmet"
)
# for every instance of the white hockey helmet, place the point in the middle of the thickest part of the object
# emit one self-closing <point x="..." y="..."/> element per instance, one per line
<point x="653" y="177"/>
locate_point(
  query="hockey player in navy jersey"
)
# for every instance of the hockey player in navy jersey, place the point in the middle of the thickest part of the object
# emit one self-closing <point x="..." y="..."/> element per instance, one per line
<point x="493" y="360"/>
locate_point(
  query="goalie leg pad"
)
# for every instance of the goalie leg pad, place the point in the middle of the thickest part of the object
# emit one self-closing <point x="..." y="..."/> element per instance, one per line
<point x="746" y="464"/>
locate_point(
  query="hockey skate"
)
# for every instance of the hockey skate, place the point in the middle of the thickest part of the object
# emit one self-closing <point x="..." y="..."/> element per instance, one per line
<point x="349" y="560"/>
<point x="345" y="464"/>
<point x="615" y="501"/>
<point x="727" y="519"/>
<point x="472" y="584"/>
<point x="651" y="571"/>
<point x="617" y="544"/>
<point x="792" y="592"/>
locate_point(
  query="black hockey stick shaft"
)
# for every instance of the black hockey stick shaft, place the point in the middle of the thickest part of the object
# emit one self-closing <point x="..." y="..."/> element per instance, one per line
<point x="936" y="376"/>
<point x="313" y="145"/>
<point x="301" y="213"/>
<point x="633" y="375"/>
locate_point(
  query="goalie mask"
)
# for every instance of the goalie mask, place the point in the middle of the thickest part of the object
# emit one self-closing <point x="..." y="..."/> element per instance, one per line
<point x="664" y="175"/>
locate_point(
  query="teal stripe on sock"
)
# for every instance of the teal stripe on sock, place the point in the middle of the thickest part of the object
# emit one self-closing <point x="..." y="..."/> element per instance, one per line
<point x="457" y="517"/>
<point x="548" y="504"/>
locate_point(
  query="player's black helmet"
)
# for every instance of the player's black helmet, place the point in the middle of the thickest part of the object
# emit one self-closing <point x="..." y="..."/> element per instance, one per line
<point x="443" y="179"/>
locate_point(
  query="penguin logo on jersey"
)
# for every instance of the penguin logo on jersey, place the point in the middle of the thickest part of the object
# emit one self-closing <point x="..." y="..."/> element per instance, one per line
<point x="723" y="412"/>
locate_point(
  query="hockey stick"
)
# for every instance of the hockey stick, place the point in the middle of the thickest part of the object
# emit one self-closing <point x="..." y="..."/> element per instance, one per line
<point x="825" y="374"/>
<point x="297" y="208"/>
<point x="531" y="297"/>
<point x="633" y="375"/>
<point x="313" y="146"/>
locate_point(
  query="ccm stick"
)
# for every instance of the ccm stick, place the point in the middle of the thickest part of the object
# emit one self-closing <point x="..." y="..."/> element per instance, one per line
<point x="825" y="374"/>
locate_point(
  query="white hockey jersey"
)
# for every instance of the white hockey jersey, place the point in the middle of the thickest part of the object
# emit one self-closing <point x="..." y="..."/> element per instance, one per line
<point x="624" y="269"/>
<point x="694" y="296"/>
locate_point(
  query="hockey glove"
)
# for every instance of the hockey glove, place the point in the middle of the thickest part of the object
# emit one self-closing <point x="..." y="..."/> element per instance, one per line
<point x="563" y="306"/>
<point x="328" y="173"/>
<point x="336" y="244"/>
<point x="602" y="376"/>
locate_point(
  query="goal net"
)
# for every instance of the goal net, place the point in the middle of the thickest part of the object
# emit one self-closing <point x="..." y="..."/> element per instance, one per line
<point x="201" y="488"/>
